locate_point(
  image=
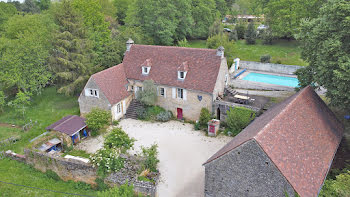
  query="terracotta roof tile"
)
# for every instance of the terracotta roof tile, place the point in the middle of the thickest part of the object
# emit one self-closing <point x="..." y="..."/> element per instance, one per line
<point x="301" y="136"/>
<point x="68" y="125"/>
<point x="204" y="66"/>
<point x="112" y="82"/>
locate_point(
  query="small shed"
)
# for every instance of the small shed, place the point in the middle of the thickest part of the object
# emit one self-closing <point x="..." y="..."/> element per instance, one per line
<point x="51" y="145"/>
<point x="71" y="129"/>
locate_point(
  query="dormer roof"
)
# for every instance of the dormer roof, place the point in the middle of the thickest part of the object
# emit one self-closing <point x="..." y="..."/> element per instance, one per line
<point x="147" y="63"/>
<point x="183" y="67"/>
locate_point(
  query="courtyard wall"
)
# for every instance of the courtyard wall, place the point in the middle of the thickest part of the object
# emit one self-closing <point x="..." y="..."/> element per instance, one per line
<point x="269" y="67"/>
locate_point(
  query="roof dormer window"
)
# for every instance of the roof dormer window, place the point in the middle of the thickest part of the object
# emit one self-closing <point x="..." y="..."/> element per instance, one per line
<point x="181" y="75"/>
<point x="145" y="70"/>
<point x="146" y="67"/>
<point x="182" y="71"/>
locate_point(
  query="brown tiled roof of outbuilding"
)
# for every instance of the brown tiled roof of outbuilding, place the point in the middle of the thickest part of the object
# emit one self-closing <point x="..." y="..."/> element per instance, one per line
<point x="203" y="65"/>
<point x="300" y="135"/>
<point x="68" y="124"/>
<point x="112" y="82"/>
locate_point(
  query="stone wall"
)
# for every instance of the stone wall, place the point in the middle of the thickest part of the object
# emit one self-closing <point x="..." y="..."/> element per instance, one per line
<point x="245" y="171"/>
<point x="76" y="170"/>
<point x="222" y="79"/>
<point x="269" y="67"/>
<point x="66" y="169"/>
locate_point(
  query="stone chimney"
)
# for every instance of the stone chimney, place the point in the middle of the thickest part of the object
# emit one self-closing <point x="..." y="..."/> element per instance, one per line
<point x="129" y="43"/>
<point x="220" y="51"/>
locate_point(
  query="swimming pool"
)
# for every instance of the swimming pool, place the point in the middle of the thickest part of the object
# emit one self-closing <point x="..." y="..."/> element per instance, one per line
<point x="272" y="79"/>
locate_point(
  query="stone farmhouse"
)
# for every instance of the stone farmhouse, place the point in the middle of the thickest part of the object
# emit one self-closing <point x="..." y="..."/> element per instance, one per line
<point x="187" y="80"/>
<point x="287" y="150"/>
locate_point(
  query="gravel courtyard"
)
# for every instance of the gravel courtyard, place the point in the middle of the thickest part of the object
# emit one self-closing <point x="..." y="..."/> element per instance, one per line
<point x="182" y="151"/>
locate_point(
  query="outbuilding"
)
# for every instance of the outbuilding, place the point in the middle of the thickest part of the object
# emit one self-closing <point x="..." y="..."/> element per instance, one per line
<point x="71" y="129"/>
<point x="287" y="150"/>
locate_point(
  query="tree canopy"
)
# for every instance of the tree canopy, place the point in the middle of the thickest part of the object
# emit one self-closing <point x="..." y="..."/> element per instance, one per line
<point x="326" y="47"/>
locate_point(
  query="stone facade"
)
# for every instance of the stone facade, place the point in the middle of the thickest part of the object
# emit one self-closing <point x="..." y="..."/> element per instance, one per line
<point x="222" y="80"/>
<point x="191" y="105"/>
<point x="124" y="104"/>
<point x="87" y="103"/>
<point x="245" y="171"/>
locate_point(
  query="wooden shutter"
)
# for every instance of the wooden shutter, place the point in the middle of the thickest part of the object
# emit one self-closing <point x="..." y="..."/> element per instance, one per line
<point x="185" y="94"/>
<point x="164" y="92"/>
<point x="174" y="92"/>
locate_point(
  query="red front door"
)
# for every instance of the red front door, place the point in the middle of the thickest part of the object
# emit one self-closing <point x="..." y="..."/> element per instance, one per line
<point x="179" y="113"/>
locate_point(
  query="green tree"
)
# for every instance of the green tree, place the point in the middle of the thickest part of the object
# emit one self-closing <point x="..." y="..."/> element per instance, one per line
<point x="216" y="28"/>
<point x="203" y="14"/>
<point x="117" y="138"/>
<point x="337" y="187"/>
<point x="156" y="18"/>
<point x="6" y="11"/>
<point x="72" y="56"/>
<point x="216" y="41"/>
<point x="30" y="6"/>
<point x="241" y="29"/>
<point x="221" y="6"/>
<point x="148" y="95"/>
<point x="97" y="119"/>
<point x="325" y="46"/>
<point x="122" y="8"/>
<point x="43" y="4"/>
<point x="284" y="16"/>
<point x="2" y="101"/>
<point x="20" y="103"/>
<point x="97" y="27"/>
<point x="24" y="50"/>
<point x="238" y="118"/>
<point x="250" y="35"/>
<point x="183" y="14"/>
<point x="204" y="117"/>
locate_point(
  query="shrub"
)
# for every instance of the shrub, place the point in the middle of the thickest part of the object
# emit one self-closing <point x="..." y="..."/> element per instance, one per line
<point x="115" y="122"/>
<point x="233" y="35"/>
<point x="337" y="187"/>
<point x="141" y="113"/>
<point x="267" y="37"/>
<point x="216" y="28"/>
<point x="101" y="185"/>
<point x="240" y="29"/>
<point x="204" y="118"/>
<point x="151" y="155"/>
<point x="238" y="118"/>
<point x="197" y="126"/>
<point x="124" y="190"/>
<point x="250" y="35"/>
<point x="97" y="119"/>
<point x="165" y="116"/>
<point x="52" y="175"/>
<point x="119" y="139"/>
<point x="107" y="160"/>
<point x="153" y="111"/>
<point x="265" y="58"/>
<point x="278" y="62"/>
<point x="148" y="95"/>
<point x="183" y="43"/>
<point x="80" y="185"/>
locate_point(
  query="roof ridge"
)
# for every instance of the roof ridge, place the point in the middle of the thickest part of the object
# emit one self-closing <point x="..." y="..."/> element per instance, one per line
<point x="177" y="47"/>
<point x="71" y="116"/>
<point x="105" y="70"/>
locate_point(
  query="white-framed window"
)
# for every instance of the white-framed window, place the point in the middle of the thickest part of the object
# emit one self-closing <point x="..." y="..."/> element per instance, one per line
<point x="145" y="70"/>
<point x="119" y="109"/>
<point x="180" y="93"/>
<point x="162" y="92"/>
<point x="91" y="92"/>
<point x="181" y="75"/>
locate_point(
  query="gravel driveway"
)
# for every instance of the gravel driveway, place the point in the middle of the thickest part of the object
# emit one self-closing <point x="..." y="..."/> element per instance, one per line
<point x="182" y="151"/>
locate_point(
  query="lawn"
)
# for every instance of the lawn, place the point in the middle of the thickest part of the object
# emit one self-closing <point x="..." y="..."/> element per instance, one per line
<point x="45" y="109"/>
<point x="287" y="52"/>
<point x="22" y="174"/>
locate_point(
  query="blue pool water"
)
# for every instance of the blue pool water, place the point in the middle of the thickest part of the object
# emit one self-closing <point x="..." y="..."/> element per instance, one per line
<point x="272" y="79"/>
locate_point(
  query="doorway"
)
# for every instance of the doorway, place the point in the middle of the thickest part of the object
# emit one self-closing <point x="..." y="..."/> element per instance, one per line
<point x="179" y="114"/>
<point x="218" y="113"/>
